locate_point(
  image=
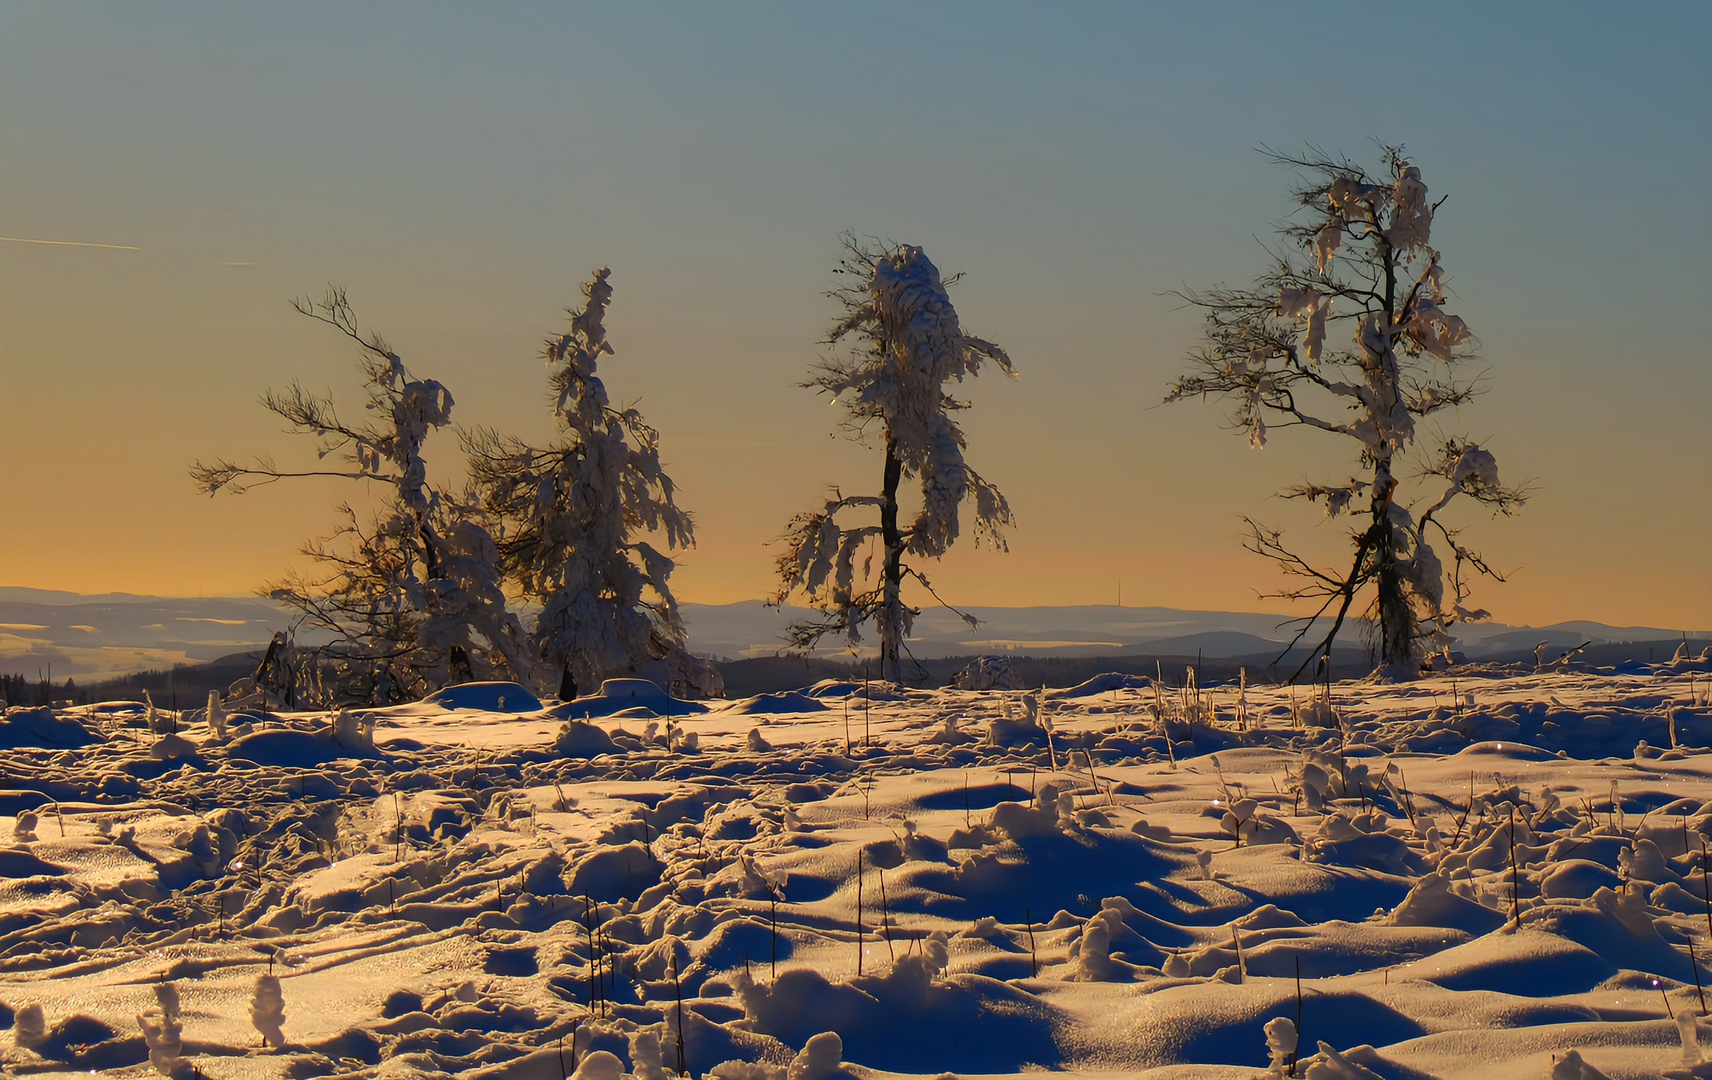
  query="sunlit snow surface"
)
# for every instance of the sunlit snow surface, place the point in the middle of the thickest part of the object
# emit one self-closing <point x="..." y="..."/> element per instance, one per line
<point x="431" y="904"/>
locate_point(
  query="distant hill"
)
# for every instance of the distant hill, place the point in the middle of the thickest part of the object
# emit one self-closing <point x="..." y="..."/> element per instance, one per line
<point x="753" y="629"/>
<point x="102" y="637"/>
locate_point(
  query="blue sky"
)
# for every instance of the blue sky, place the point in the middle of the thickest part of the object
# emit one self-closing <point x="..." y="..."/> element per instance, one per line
<point x="459" y="169"/>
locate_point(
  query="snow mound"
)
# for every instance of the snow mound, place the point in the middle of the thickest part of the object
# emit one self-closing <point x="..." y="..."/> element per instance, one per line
<point x="579" y="738"/>
<point x="1101" y="684"/>
<point x="833" y="688"/>
<point x="617" y="695"/>
<point x="506" y="697"/>
<point x="291" y="747"/>
<point x="964" y="1022"/>
<point x="790" y="701"/>
<point x="21" y="728"/>
<point x="18" y="863"/>
<point x="476" y="904"/>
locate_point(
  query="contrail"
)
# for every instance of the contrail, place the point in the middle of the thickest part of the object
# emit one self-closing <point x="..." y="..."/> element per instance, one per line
<point x="68" y="243"/>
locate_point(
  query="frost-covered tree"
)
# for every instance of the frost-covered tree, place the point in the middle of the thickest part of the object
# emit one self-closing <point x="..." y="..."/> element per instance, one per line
<point x="1357" y="254"/>
<point x="902" y="343"/>
<point x="575" y="517"/>
<point x="414" y="587"/>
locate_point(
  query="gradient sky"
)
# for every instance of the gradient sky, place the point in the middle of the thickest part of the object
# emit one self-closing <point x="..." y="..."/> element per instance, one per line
<point x="460" y="169"/>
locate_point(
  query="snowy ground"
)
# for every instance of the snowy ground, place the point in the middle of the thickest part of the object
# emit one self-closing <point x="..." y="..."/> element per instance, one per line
<point x="939" y="880"/>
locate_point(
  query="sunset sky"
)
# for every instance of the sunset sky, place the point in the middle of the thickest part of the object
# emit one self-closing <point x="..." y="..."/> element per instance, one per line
<point x="460" y="169"/>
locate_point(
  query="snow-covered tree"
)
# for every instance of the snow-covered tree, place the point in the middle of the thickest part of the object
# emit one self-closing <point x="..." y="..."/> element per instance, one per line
<point x="413" y="588"/>
<point x="902" y="343"/>
<point x="574" y="517"/>
<point x="1358" y="254"/>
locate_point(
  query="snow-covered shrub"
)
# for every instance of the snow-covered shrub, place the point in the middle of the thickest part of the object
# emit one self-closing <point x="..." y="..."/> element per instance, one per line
<point x="950" y="733"/>
<point x="24" y="827"/>
<point x="892" y="381"/>
<point x="599" y="1065"/>
<point x="1245" y="823"/>
<point x="647" y="1053"/>
<point x="1090" y="956"/>
<point x="163" y="1031"/>
<point x="1643" y="861"/>
<point x="821" y="1058"/>
<point x="216" y="715"/>
<point x="354" y="730"/>
<point x="267" y="1010"/>
<point x="988" y="673"/>
<point x="172" y="748"/>
<point x="1328" y="1064"/>
<point x="1280" y="1044"/>
<point x="1571" y="1067"/>
<point x="1052" y="813"/>
<point x="746" y="1070"/>
<point x="30" y="1027"/>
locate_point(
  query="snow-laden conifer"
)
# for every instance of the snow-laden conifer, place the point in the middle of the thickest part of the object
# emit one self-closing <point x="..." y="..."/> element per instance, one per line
<point x="413" y="588"/>
<point x="1358" y="267"/>
<point x="903" y="345"/>
<point x="576" y="518"/>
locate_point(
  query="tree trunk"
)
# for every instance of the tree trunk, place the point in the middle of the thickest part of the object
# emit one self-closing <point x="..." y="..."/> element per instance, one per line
<point x="1396" y="619"/>
<point x="891" y="610"/>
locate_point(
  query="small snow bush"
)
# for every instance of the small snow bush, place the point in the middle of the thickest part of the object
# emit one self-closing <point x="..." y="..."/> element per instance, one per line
<point x="822" y="1058"/>
<point x="1280" y="1044"/>
<point x="354" y="730"/>
<point x="1091" y="959"/>
<point x="988" y="673"/>
<point x="163" y="1032"/>
<point x="1051" y="814"/>
<point x="1573" y="1068"/>
<point x="267" y="1010"/>
<point x="599" y="1065"/>
<point x="30" y="1027"/>
<point x="647" y="1053"/>
<point x="1328" y="1064"/>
